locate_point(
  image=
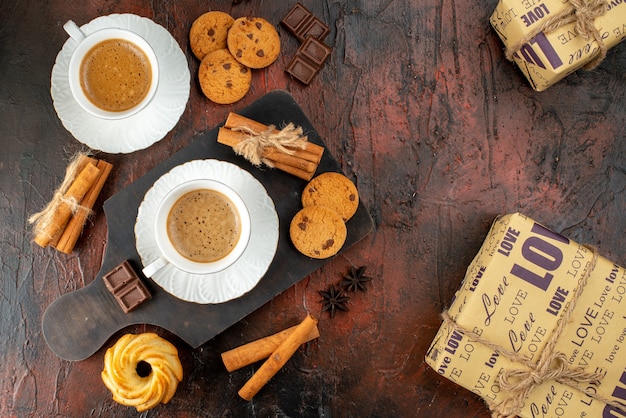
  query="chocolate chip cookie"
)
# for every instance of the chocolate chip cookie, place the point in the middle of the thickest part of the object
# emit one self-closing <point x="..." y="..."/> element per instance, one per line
<point x="253" y="41"/>
<point x="223" y="79"/>
<point x="317" y="232"/>
<point x="334" y="191"/>
<point x="208" y="33"/>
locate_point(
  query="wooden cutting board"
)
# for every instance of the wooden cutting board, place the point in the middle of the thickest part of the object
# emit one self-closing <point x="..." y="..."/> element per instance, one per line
<point x="78" y="324"/>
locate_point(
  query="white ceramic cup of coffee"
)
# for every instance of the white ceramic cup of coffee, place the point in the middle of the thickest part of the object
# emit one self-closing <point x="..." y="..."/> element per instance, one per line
<point x="168" y="252"/>
<point x="86" y="42"/>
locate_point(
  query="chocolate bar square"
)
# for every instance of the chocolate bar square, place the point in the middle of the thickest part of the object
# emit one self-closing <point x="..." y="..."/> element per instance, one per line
<point x="308" y="60"/>
<point x="119" y="277"/>
<point x="133" y="296"/>
<point x="126" y="286"/>
<point x="316" y="51"/>
<point x="300" y="69"/>
<point x="302" y="24"/>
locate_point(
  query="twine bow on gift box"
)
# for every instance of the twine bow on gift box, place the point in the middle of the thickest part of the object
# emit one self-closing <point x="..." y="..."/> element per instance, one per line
<point x="583" y="13"/>
<point x="552" y="365"/>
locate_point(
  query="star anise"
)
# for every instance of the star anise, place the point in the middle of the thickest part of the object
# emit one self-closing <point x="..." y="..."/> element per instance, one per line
<point x="334" y="300"/>
<point x="355" y="279"/>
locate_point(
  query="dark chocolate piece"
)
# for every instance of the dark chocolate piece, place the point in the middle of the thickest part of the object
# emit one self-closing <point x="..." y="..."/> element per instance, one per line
<point x="128" y="289"/>
<point x="315" y="50"/>
<point x="308" y="60"/>
<point x="302" y="70"/>
<point x="302" y="24"/>
<point x="133" y="296"/>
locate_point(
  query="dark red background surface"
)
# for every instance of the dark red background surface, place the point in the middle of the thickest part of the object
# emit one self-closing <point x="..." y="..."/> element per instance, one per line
<point x="437" y="130"/>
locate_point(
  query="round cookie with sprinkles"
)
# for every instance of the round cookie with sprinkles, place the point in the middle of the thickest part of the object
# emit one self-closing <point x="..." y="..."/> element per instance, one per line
<point x="223" y="79"/>
<point x="254" y="42"/>
<point x="317" y="232"/>
<point x="208" y="33"/>
<point x="334" y="191"/>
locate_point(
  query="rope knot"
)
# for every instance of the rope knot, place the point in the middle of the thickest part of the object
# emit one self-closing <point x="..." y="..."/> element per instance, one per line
<point x="581" y="12"/>
<point x="45" y="218"/>
<point x="552" y="365"/>
<point x="256" y="143"/>
<point x="585" y="12"/>
<point x="520" y="382"/>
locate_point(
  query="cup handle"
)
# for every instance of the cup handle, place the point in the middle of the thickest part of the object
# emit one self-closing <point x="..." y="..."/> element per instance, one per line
<point x="74" y="31"/>
<point x="155" y="266"/>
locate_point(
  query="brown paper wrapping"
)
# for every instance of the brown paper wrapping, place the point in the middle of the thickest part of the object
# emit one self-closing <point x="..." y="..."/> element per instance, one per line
<point x="513" y="296"/>
<point x="552" y="55"/>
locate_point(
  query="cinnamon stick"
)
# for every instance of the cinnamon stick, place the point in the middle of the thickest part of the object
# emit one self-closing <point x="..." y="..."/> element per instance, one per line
<point x="298" y="161"/>
<point x="304" y="175"/>
<point x="260" y="349"/>
<point x="74" y="228"/>
<point x="82" y="161"/>
<point x="301" y="163"/>
<point x="278" y="358"/>
<point x="300" y="158"/>
<point x="235" y="120"/>
<point x="75" y="193"/>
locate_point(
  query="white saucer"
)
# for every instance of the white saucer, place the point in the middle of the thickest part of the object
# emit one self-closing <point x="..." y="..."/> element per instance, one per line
<point x="246" y="272"/>
<point x="149" y="125"/>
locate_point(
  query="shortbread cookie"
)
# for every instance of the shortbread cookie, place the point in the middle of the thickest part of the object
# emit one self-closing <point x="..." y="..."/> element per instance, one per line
<point x="142" y="370"/>
<point x="208" y="33"/>
<point x="334" y="191"/>
<point x="223" y="79"/>
<point x="318" y="232"/>
<point x="254" y="42"/>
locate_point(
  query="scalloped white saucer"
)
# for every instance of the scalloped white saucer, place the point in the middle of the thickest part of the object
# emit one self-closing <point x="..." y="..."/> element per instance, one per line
<point x="246" y="272"/>
<point x="149" y="125"/>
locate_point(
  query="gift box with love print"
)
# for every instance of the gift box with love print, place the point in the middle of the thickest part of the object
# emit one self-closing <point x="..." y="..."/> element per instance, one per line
<point x="537" y="327"/>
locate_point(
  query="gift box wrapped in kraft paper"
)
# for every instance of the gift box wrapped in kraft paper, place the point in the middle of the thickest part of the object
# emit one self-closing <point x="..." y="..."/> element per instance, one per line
<point x="537" y="327"/>
<point x="550" y="39"/>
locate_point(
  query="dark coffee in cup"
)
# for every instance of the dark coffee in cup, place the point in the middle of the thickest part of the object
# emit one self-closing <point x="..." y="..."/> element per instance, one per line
<point x="201" y="226"/>
<point x="204" y="225"/>
<point x="115" y="75"/>
<point x="113" y="72"/>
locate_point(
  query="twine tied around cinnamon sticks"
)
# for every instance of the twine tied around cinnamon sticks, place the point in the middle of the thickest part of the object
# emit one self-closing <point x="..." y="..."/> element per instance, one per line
<point x="583" y="13"/>
<point x="44" y="219"/>
<point x="552" y="364"/>
<point x="288" y="149"/>
<point x="255" y="143"/>
<point x="60" y="223"/>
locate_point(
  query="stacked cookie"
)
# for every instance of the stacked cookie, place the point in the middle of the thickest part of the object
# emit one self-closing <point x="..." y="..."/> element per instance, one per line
<point x="329" y="200"/>
<point x="228" y="49"/>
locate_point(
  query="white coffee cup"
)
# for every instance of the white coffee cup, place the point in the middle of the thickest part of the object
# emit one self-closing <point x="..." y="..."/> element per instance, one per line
<point x="169" y="254"/>
<point x="85" y="44"/>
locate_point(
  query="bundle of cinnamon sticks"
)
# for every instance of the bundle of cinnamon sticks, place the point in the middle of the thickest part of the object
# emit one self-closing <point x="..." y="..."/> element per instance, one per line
<point x="299" y="158"/>
<point x="60" y="224"/>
